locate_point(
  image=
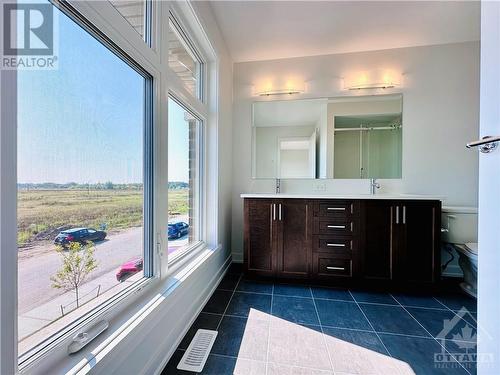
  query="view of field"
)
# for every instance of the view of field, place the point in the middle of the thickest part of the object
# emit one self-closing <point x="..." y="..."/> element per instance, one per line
<point x="42" y="213"/>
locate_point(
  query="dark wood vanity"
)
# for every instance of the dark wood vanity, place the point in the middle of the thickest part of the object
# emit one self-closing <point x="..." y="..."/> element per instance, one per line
<point x="343" y="241"/>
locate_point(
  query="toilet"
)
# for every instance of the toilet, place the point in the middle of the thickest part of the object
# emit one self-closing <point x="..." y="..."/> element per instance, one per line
<point x="468" y="262"/>
<point x="460" y="231"/>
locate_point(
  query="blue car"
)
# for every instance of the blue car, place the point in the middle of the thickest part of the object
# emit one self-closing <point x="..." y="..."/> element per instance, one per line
<point x="81" y="235"/>
<point x="177" y="230"/>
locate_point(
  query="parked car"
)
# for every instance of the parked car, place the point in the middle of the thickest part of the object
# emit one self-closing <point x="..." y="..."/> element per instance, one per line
<point x="177" y="230"/>
<point x="129" y="268"/>
<point x="79" y="235"/>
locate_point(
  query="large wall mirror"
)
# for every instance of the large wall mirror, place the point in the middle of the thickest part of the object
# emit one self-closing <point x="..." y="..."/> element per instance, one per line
<point x="346" y="137"/>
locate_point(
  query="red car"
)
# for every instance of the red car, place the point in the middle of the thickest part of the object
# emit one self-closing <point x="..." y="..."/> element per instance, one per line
<point x="129" y="268"/>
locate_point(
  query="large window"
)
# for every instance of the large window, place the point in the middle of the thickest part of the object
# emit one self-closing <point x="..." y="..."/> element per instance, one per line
<point x="184" y="60"/>
<point x="184" y="166"/>
<point x="83" y="183"/>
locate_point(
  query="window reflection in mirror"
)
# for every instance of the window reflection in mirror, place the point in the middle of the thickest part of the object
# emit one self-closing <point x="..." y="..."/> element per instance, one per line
<point x="344" y="138"/>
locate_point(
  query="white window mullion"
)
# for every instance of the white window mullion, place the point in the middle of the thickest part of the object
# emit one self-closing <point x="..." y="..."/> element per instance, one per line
<point x="110" y="22"/>
<point x="176" y="86"/>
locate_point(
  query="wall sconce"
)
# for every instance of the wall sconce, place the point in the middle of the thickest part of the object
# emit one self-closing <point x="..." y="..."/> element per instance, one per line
<point x="378" y="79"/>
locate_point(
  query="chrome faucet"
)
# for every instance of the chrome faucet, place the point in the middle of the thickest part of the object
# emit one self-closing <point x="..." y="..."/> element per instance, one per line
<point x="373" y="185"/>
<point x="278" y="186"/>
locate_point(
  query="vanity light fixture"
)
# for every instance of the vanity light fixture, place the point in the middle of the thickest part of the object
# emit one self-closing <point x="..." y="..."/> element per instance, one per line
<point x="379" y="79"/>
<point x="280" y="92"/>
<point x="279" y="86"/>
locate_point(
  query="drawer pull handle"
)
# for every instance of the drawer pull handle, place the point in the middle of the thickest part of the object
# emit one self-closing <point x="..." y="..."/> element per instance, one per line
<point x="335" y="244"/>
<point x="335" y="268"/>
<point x="336" y="226"/>
<point x="336" y="208"/>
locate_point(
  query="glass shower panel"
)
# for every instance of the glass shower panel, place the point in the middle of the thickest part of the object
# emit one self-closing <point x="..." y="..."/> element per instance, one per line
<point x="381" y="153"/>
<point x="347" y="155"/>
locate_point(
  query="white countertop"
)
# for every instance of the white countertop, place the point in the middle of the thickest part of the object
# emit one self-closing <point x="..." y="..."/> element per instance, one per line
<point x="341" y="196"/>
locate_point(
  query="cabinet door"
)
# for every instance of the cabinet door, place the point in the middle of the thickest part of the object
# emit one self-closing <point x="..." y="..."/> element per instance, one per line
<point x="380" y="229"/>
<point x="294" y="246"/>
<point x="418" y="254"/>
<point x="259" y="236"/>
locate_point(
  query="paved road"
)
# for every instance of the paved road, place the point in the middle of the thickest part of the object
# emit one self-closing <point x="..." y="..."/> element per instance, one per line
<point x="39" y="263"/>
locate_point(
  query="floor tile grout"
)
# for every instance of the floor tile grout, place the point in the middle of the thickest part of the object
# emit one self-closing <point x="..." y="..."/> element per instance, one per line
<point x="269" y="330"/>
<point x="291" y="296"/>
<point x="397" y="304"/>
<point x="433" y="337"/>
<point x="455" y="311"/>
<point x="271" y="362"/>
<point x="322" y="327"/>
<point x="227" y="306"/>
<point x="405" y="335"/>
<point x="441" y="303"/>
<point x="323" y="334"/>
<point x="246" y="292"/>
<point x="371" y="325"/>
<point x="425" y="308"/>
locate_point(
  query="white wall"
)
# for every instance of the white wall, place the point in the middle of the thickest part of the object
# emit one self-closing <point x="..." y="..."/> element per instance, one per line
<point x="440" y="114"/>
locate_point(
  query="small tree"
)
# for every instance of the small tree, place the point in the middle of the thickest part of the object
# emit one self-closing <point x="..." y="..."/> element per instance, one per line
<point x="77" y="263"/>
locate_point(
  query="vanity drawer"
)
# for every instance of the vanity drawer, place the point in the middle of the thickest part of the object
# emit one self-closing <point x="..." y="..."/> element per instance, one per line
<point x="326" y="266"/>
<point x="334" y="245"/>
<point x="335" y="226"/>
<point x="336" y="208"/>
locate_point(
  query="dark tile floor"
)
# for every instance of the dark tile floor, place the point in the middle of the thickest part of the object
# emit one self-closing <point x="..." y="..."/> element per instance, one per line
<point x="267" y="328"/>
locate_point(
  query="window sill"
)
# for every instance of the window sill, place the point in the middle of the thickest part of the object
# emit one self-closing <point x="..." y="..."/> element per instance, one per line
<point x="124" y="323"/>
<point x="183" y="256"/>
<point x="43" y="351"/>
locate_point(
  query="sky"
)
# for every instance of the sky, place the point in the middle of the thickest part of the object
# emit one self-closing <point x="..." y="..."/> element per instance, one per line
<point x="84" y="122"/>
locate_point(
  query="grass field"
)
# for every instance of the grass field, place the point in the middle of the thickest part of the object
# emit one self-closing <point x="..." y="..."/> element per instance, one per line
<point x="41" y="212"/>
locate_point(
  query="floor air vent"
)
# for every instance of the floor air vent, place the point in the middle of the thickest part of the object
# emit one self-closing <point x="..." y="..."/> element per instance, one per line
<point x="197" y="352"/>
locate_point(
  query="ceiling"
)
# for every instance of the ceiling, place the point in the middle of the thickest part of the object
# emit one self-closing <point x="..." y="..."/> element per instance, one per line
<point x="266" y="30"/>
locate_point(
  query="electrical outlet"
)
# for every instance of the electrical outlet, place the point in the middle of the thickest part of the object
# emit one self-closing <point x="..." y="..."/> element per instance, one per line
<point x="319" y="186"/>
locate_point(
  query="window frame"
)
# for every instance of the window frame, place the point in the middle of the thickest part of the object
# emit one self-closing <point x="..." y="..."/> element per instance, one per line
<point x="153" y="59"/>
<point x="201" y="191"/>
<point x="203" y="111"/>
<point x="52" y="345"/>
<point x="148" y="9"/>
<point x="182" y="33"/>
